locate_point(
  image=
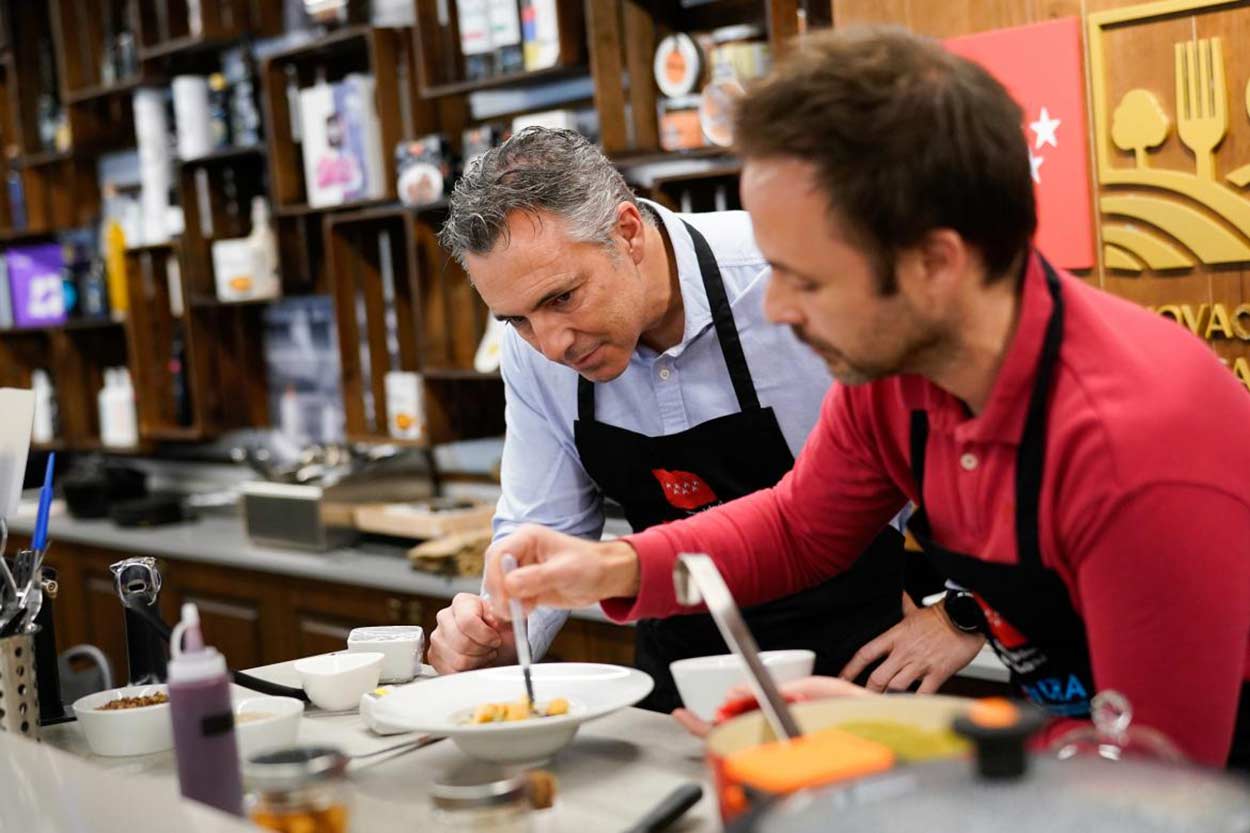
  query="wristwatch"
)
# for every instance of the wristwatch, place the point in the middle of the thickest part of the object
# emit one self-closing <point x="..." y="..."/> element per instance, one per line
<point x="963" y="611"/>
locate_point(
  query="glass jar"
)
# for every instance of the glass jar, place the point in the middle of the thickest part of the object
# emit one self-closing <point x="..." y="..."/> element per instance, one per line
<point x="480" y="798"/>
<point x="299" y="790"/>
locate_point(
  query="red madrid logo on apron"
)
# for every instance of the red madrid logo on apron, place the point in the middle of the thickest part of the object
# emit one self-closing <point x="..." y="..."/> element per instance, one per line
<point x="684" y="489"/>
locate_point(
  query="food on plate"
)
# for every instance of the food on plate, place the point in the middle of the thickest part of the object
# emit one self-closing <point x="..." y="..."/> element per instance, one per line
<point x="541" y="787"/>
<point x="517" y="710"/>
<point x="908" y="743"/>
<point x="134" y="702"/>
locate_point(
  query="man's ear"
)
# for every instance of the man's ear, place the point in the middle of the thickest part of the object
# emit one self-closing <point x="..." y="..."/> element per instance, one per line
<point x="935" y="268"/>
<point x="632" y="228"/>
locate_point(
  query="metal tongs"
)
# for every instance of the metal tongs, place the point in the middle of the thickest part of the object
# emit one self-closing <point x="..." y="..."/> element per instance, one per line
<point x="696" y="580"/>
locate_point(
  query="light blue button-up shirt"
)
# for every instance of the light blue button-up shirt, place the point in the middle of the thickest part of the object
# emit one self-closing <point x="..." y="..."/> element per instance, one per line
<point x="658" y="394"/>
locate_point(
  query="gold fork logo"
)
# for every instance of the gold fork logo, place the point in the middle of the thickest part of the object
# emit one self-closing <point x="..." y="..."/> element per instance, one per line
<point x="1162" y="218"/>
<point x="1201" y="100"/>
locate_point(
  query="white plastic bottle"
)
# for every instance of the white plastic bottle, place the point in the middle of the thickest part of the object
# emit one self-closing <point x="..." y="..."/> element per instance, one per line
<point x="266" y="280"/>
<point x="44" y="425"/>
<point x="125" y="418"/>
<point x="105" y="409"/>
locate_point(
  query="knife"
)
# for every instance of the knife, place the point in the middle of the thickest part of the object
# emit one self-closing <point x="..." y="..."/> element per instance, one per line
<point x="520" y="632"/>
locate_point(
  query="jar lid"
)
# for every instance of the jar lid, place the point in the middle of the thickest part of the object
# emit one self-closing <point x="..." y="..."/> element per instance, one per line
<point x="477" y="785"/>
<point x="295" y="767"/>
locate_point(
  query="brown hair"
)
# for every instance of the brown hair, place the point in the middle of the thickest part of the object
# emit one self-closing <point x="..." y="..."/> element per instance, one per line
<point x="906" y="138"/>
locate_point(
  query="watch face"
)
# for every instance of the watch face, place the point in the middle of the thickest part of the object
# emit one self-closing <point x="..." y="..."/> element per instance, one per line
<point x="964" y="612"/>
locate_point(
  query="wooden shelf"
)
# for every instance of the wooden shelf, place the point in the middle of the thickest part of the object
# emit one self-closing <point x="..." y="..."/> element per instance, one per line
<point x="21" y="235"/>
<point x="501" y="82"/>
<point x="48" y="157"/>
<point x="54" y="445"/>
<point x="212" y="302"/>
<point x="74" y="324"/>
<point x="632" y="159"/>
<point x="86" y="94"/>
<point x="224" y="155"/>
<point x="151" y="247"/>
<point x="174" y="433"/>
<point x="384" y="439"/>
<point x="337" y="41"/>
<point x="188" y="45"/>
<point x="455" y="373"/>
<point x="346" y="207"/>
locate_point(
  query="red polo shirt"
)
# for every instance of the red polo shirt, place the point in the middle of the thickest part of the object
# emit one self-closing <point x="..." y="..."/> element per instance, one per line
<point x="1145" y="505"/>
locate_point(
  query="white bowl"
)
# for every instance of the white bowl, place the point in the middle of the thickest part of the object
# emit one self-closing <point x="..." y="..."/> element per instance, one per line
<point x="439" y="705"/>
<point x="703" y="682"/>
<point x="273" y="724"/>
<point x="334" y="682"/>
<point x="402" y="645"/>
<point x="139" y="731"/>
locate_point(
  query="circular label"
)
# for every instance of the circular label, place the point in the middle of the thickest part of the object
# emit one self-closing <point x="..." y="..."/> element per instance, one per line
<point x="678" y="65"/>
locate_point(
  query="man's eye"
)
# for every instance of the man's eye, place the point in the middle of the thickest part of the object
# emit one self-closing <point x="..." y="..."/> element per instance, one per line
<point x="561" y="299"/>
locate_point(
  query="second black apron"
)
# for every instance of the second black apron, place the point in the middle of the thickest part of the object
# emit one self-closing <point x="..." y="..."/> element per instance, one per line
<point x="1033" y="626"/>
<point x="666" y="478"/>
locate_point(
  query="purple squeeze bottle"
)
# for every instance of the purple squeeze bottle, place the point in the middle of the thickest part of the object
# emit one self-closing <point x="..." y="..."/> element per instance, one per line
<point x="203" y="717"/>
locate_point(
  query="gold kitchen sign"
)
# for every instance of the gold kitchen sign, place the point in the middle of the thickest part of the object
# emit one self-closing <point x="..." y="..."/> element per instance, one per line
<point x="1187" y="210"/>
<point x="1215" y="322"/>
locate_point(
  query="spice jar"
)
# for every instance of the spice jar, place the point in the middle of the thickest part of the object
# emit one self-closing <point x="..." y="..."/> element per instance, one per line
<point x="477" y="798"/>
<point x="299" y="790"/>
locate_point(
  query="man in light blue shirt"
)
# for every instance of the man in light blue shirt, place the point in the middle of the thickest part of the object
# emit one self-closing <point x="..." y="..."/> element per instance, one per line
<point x="638" y="366"/>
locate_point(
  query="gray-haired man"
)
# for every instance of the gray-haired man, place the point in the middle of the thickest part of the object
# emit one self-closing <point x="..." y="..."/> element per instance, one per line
<point x="638" y="366"/>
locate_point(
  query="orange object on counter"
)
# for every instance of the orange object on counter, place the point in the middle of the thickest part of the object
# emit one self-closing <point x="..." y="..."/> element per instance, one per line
<point x="822" y="757"/>
<point x="332" y="819"/>
<point x="994" y="713"/>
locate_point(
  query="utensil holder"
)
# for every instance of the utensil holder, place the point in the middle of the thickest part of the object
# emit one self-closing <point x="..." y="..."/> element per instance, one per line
<point x="19" y="686"/>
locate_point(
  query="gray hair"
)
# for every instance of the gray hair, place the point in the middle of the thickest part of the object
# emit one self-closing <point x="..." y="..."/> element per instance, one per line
<point x="537" y="170"/>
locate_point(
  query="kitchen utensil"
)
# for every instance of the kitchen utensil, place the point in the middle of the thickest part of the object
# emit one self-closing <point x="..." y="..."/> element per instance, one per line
<point x="39" y="540"/>
<point x="138" y="584"/>
<point x="703" y="682"/>
<point x="520" y="632"/>
<point x="442" y="705"/>
<point x="672" y="807"/>
<point x="19" y="692"/>
<point x="121" y="732"/>
<point x="695" y="580"/>
<point x="335" y="682"/>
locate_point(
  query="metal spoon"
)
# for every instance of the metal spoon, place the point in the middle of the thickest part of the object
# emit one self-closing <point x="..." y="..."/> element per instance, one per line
<point x="520" y="632"/>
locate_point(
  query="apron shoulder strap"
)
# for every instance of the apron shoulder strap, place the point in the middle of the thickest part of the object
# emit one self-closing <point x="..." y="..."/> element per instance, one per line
<point x="919" y="441"/>
<point x="585" y="400"/>
<point x="1032" y="456"/>
<point x="723" y="320"/>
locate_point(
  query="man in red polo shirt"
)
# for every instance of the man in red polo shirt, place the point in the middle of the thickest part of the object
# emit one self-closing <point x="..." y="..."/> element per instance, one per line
<point x="1081" y="467"/>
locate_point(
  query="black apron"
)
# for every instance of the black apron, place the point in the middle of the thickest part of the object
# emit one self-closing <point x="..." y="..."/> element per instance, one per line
<point x="1033" y="626"/>
<point x="666" y="478"/>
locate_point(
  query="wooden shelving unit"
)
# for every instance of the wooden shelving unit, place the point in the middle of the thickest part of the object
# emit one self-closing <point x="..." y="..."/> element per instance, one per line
<point x="421" y="88"/>
<point x="439" y="321"/>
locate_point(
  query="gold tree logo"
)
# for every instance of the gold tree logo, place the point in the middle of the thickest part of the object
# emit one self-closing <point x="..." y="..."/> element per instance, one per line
<point x="1163" y="217"/>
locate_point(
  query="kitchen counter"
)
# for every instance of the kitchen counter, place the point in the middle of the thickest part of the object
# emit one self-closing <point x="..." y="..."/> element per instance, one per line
<point x="613" y="772"/>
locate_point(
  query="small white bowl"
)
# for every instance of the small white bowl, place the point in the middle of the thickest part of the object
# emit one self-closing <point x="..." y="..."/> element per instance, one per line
<point x="403" y="646"/>
<point x="139" y="731"/>
<point x="703" y="682"/>
<point x="334" y="682"/>
<point x="265" y="723"/>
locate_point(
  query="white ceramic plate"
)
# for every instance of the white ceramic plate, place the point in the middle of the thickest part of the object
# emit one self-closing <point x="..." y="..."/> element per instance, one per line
<point x="439" y="705"/>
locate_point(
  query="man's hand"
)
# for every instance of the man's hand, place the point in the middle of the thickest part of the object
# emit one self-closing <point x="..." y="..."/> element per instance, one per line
<point x="468" y="636"/>
<point x="558" y="570"/>
<point x="924" y="646"/>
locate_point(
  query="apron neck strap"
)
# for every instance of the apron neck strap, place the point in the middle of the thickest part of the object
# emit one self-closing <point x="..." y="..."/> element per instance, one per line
<point x="726" y="334"/>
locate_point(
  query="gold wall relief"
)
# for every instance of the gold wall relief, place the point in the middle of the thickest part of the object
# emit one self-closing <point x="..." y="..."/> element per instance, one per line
<point x="1169" y="211"/>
